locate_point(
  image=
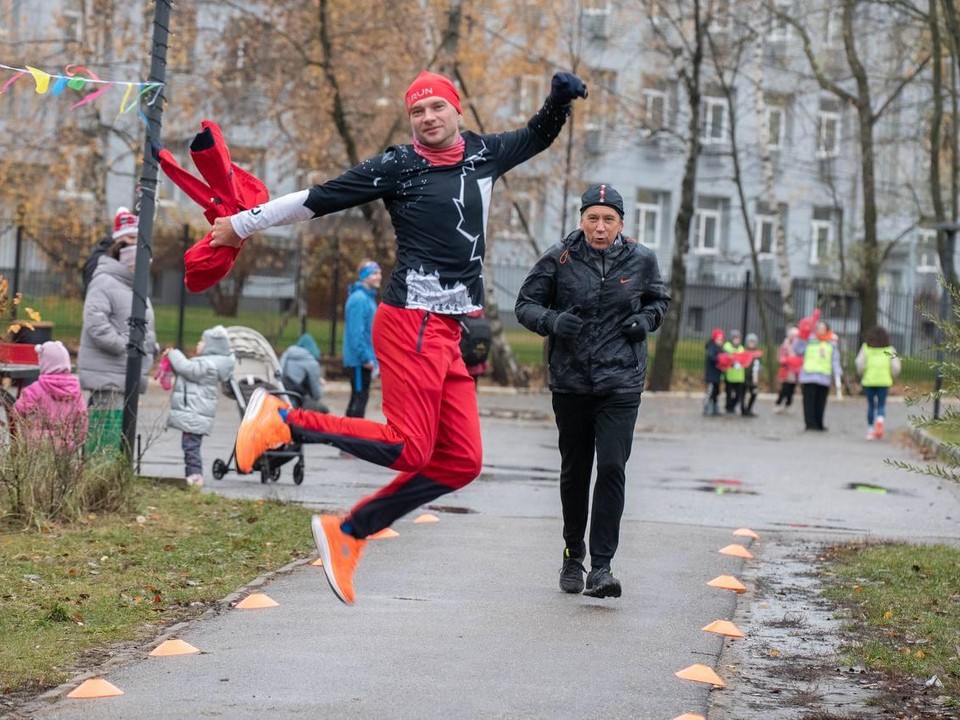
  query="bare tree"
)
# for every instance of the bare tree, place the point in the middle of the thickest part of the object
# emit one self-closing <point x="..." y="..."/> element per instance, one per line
<point x="686" y="45"/>
<point x="859" y="93"/>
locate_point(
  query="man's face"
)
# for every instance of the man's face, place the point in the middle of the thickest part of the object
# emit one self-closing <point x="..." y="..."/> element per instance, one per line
<point x="435" y="122"/>
<point x="373" y="280"/>
<point x="601" y="225"/>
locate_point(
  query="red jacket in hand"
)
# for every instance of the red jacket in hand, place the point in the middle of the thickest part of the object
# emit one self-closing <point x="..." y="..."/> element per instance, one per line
<point x="228" y="189"/>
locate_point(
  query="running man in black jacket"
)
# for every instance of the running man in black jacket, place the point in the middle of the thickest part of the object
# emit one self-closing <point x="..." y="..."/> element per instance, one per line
<point x="596" y="295"/>
<point x="437" y="190"/>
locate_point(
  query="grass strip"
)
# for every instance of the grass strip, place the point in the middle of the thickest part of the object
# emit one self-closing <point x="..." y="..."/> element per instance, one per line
<point x="68" y="592"/>
<point x="905" y="603"/>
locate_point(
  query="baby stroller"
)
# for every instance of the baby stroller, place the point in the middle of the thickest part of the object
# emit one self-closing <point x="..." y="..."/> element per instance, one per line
<point x="258" y="366"/>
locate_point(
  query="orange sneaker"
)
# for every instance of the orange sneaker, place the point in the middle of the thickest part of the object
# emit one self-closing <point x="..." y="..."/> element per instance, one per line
<point x="878" y="428"/>
<point x="261" y="429"/>
<point x="339" y="553"/>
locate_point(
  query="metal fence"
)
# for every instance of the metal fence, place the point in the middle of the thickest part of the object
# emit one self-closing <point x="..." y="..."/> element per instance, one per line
<point x="736" y="306"/>
<point x="706" y="306"/>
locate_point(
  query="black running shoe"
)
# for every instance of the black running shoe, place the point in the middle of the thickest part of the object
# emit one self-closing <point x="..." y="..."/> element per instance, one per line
<point x="601" y="583"/>
<point x="571" y="573"/>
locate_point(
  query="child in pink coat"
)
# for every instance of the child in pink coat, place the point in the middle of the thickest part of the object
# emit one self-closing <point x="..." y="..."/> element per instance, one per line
<point x="53" y="406"/>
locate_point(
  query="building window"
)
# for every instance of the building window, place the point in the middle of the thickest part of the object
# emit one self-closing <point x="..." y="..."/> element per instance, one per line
<point x="522" y="209"/>
<point x="596" y="19"/>
<point x="776" y="126"/>
<point x="928" y="261"/>
<point x="828" y="132"/>
<point x="822" y="229"/>
<point x="718" y="11"/>
<point x="833" y="32"/>
<point x="779" y="27"/>
<point x="647" y="215"/>
<point x="706" y="226"/>
<point x="72" y="14"/>
<point x="600" y="110"/>
<point x="713" y="120"/>
<point x="765" y="234"/>
<point x="654" y="109"/>
<point x="695" y="319"/>
<point x="530" y="95"/>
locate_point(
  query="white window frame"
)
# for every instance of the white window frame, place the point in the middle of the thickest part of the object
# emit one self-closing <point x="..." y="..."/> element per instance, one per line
<point x="597" y="17"/>
<point x="703" y="219"/>
<point x="651" y="97"/>
<point x="775" y="143"/>
<point x="530" y="95"/>
<point x="73" y="22"/>
<point x="780" y="30"/>
<point x="927" y="251"/>
<point x="641" y="213"/>
<point x="720" y="12"/>
<point x="761" y="222"/>
<point x="709" y="134"/>
<point x="833" y="32"/>
<point x="816" y="228"/>
<point x="826" y="119"/>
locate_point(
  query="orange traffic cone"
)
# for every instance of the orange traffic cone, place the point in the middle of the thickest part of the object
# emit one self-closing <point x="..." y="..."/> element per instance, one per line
<point x="383" y="534"/>
<point x="728" y="582"/>
<point x="255" y="601"/>
<point x="702" y="674"/>
<point x="689" y="716"/>
<point x="746" y="532"/>
<point x="724" y="627"/>
<point x="95" y="688"/>
<point x="736" y="551"/>
<point x="426" y="517"/>
<point x="173" y="647"/>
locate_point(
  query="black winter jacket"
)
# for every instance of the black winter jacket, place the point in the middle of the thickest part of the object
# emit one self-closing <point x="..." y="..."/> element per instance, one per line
<point x="601" y="360"/>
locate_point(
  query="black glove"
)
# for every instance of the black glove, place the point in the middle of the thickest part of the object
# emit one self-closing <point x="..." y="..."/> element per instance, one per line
<point x="565" y="87"/>
<point x="635" y="328"/>
<point x="567" y="325"/>
<point x="155" y="148"/>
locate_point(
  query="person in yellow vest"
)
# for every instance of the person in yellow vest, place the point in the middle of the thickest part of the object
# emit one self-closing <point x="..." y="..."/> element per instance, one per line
<point x="821" y="369"/>
<point x="877" y="364"/>
<point x="734" y="376"/>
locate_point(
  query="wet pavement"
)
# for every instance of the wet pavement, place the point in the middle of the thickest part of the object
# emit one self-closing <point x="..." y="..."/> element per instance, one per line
<point x="463" y="618"/>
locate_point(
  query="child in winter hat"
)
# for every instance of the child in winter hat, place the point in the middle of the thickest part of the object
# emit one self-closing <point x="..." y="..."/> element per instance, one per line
<point x="52" y="408"/>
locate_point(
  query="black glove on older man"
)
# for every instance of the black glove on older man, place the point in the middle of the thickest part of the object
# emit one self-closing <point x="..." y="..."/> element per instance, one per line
<point x="565" y="87"/>
<point x="635" y="328"/>
<point x="567" y="325"/>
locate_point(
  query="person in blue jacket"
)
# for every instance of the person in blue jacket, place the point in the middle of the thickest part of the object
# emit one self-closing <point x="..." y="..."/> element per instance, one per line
<point x="359" y="358"/>
<point x="302" y="373"/>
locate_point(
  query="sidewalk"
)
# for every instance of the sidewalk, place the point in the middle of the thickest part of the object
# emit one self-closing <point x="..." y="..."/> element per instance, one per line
<point x="463" y="618"/>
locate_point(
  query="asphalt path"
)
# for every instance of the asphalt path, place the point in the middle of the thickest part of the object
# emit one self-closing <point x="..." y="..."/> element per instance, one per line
<point x="462" y="618"/>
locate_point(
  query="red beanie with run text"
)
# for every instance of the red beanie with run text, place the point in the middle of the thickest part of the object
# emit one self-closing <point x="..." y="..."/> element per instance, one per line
<point x="428" y="85"/>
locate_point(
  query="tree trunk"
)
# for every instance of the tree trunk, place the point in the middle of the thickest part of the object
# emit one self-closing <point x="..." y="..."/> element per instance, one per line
<point x="871" y="257"/>
<point x="662" y="371"/>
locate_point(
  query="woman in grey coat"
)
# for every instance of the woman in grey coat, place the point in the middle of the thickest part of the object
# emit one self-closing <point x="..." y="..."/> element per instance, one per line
<point x="193" y="403"/>
<point x="102" y="360"/>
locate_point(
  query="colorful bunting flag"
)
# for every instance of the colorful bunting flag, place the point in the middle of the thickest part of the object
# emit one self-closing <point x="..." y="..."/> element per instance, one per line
<point x="77" y="78"/>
